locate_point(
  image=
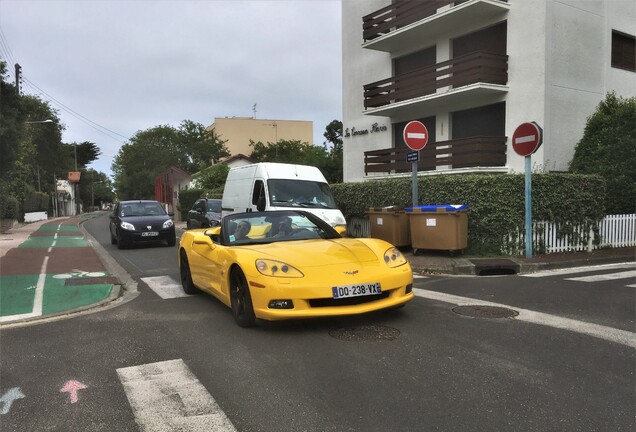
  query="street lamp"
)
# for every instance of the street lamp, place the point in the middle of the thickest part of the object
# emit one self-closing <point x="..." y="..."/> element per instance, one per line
<point x="39" y="121"/>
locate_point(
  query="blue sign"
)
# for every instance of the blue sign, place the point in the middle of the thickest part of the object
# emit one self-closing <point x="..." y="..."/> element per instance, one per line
<point x="413" y="156"/>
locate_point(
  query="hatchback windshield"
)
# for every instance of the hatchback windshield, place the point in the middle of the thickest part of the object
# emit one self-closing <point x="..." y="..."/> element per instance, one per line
<point x="142" y="209"/>
<point x="214" y="206"/>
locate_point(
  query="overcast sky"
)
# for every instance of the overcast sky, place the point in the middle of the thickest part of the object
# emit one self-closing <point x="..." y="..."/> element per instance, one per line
<point x="112" y="68"/>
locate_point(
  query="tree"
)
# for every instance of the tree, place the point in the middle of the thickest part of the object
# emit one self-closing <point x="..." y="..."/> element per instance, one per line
<point x="212" y="179"/>
<point x="608" y="148"/>
<point x="84" y="153"/>
<point x="150" y="152"/>
<point x="95" y="187"/>
<point x="333" y="134"/>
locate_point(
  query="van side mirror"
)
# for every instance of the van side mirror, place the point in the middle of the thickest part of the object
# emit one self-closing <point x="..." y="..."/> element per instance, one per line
<point x="260" y="206"/>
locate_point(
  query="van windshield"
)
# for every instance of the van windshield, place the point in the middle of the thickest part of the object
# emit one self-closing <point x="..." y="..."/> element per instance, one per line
<point x="299" y="193"/>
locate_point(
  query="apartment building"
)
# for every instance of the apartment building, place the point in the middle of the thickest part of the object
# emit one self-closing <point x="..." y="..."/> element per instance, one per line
<point x="472" y="71"/>
<point x="238" y="131"/>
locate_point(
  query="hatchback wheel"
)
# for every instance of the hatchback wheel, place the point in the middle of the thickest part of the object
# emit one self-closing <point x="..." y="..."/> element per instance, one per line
<point x="240" y="300"/>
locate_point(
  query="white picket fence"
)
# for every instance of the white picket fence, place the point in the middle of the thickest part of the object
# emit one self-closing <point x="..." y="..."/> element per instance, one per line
<point x="614" y="231"/>
<point x="547" y="237"/>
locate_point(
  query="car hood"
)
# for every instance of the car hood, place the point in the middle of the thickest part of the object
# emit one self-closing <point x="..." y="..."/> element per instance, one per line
<point x="136" y="220"/>
<point x="317" y="253"/>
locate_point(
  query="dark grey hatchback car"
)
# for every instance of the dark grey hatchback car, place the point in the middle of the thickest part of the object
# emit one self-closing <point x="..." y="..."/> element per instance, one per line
<point x="141" y="221"/>
<point x="205" y="213"/>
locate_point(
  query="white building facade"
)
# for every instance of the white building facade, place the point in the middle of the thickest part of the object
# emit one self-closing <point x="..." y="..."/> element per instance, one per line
<point x="472" y="71"/>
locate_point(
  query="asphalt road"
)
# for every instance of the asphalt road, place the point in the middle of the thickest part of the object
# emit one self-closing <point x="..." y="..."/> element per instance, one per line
<point x="565" y="363"/>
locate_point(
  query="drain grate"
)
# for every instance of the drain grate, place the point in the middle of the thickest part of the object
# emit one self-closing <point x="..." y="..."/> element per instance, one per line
<point x="482" y="311"/>
<point x="367" y="333"/>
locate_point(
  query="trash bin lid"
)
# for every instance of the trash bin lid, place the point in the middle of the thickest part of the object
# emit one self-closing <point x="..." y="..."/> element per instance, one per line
<point x="439" y="207"/>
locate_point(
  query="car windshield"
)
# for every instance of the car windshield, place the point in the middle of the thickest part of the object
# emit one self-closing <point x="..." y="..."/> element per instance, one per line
<point x="274" y="226"/>
<point x="141" y="209"/>
<point x="300" y="193"/>
<point x="214" y="206"/>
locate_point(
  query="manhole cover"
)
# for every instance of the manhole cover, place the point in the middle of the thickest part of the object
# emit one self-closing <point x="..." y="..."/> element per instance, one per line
<point x="369" y="333"/>
<point x="485" y="311"/>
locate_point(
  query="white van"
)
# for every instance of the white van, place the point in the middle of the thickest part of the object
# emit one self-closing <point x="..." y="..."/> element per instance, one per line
<point x="278" y="186"/>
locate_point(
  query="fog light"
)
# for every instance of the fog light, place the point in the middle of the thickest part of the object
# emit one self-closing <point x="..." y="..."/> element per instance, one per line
<point x="281" y="304"/>
<point x="409" y="288"/>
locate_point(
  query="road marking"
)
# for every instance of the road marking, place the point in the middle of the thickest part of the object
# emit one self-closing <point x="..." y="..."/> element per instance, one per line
<point x="573" y="270"/>
<point x="9" y="397"/>
<point x="605" y="277"/>
<point x="37" y="299"/>
<point x="608" y="333"/>
<point x="71" y="387"/>
<point x="167" y="396"/>
<point x="165" y="287"/>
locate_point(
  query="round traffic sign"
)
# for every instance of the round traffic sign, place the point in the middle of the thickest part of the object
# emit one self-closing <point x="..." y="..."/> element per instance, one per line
<point x="527" y="138"/>
<point x="415" y="135"/>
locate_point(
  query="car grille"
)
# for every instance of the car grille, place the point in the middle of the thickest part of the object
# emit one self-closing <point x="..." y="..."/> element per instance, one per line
<point x="153" y="227"/>
<point x="351" y="301"/>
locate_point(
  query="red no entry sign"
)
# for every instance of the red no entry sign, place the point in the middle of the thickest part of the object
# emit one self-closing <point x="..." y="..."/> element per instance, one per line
<point x="527" y="138"/>
<point x="415" y="135"/>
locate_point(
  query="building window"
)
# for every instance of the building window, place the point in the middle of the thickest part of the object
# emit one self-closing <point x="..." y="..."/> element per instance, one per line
<point x="623" y="51"/>
<point x="484" y="121"/>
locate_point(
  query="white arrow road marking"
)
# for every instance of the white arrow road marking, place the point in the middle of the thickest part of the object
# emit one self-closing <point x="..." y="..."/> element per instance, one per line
<point x="525" y="139"/>
<point x="166" y="396"/>
<point x="9" y="397"/>
<point x="608" y="333"/>
<point x="165" y="287"/>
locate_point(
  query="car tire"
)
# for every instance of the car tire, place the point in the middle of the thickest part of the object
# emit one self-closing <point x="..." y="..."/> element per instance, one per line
<point x="113" y="239"/>
<point x="241" y="300"/>
<point x="120" y="243"/>
<point x="186" y="276"/>
<point x="172" y="241"/>
<point x="188" y="225"/>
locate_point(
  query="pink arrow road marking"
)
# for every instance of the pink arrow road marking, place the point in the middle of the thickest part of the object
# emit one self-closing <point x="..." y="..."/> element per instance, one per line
<point x="72" y="387"/>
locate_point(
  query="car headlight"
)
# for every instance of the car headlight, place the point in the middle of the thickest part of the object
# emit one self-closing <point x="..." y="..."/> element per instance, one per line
<point x="277" y="269"/>
<point x="394" y="258"/>
<point x="127" y="226"/>
<point x="168" y="223"/>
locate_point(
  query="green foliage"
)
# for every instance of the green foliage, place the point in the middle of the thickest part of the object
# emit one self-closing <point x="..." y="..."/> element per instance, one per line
<point x="212" y="179"/>
<point x="187" y="198"/>
<point x="496" y="201"/>
<point x="608" y="148"/>
<point x="35" y="201"/>
<point x="152" y="151"/>
<point x="9" y="206"/>
<point x="333" y="134"/>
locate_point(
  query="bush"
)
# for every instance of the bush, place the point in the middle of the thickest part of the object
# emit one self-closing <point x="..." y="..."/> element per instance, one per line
<point x="187" y="198"/>
<point x="496" y="201"/>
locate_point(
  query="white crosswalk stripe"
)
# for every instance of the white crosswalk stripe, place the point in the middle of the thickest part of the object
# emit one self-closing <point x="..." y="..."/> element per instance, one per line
<point x="165" y="287"/>
<point x="605" y="277"/>
<point x="167" y="396"/>
<point x="575" y="270"/>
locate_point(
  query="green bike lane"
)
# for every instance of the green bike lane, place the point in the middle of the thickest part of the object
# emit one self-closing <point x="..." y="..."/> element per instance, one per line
<point x="55" y="271"/>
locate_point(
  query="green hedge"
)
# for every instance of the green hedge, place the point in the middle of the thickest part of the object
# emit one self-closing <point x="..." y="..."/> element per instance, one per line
<point x="187" y="198"/>
<point x="35" y="201"/>
<point x="496" y="201"/>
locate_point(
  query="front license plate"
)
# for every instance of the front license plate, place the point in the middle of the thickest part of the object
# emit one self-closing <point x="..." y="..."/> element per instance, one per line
<point x="356" y="290"/>
<point x="149" y="234"/>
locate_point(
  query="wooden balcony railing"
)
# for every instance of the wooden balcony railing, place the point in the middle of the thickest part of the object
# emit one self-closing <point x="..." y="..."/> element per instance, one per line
<point x="399" y="14"/>
<point x="460" y="153"/>
<point x="479" y="66"/>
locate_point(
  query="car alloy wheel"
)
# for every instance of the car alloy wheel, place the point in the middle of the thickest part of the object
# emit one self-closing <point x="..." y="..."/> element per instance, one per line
<point x="240" y="300"/>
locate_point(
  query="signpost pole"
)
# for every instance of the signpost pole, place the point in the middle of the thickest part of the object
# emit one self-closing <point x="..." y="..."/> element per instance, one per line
<point x="528" y="169"/>
<point x="414" y="181"/>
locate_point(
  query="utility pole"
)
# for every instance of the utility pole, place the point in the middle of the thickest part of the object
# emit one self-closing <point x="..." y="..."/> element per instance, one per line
<point x="18" y="78"/>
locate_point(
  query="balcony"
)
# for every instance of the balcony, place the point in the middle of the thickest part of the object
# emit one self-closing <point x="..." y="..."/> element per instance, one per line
<point x="463" y="80"/>
<point x="461" y="153"/>
<point x="403" y="25"/>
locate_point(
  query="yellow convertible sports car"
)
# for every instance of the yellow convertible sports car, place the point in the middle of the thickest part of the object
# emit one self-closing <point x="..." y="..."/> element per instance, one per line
<point x="291" y="264"/>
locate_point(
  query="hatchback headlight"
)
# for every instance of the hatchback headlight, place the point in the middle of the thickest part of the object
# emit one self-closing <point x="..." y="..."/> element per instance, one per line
<point x="127" y="226"/>
<point x="168" y="223"/>
<point x="394" y="258"/>
<point x="277" y="269"/>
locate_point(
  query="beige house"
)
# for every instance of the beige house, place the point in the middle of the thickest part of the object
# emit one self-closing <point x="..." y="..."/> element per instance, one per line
<point x="238" y="131"/>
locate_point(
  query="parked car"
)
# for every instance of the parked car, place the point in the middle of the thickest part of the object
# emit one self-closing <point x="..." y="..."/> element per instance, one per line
<point x="287" y="264"/>
<point x="141" y="221"/>
<point x="205" y="213"/>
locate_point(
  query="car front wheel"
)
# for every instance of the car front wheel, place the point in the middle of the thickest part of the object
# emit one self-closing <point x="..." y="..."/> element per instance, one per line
<point x="186" y="276"/>
<point x="240" y="300"/>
